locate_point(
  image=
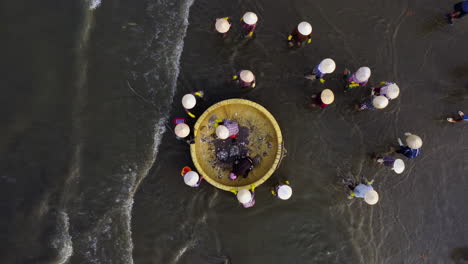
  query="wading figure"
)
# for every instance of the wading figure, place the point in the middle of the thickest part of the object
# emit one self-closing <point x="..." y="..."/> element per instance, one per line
<point x="222" y="26"/>
<point x="249" y="23"/>
<point x="460" y="9"/>
<point x="412" y="149"/>
<point x="302" y="33"/>
<point x="283" y="191"/>
<point x="326" y="66"/>
<point x="245" y="197"/>
<point x="359" y="78"/>
<point x="460" y="118"/>
<point x="322" y="100"/>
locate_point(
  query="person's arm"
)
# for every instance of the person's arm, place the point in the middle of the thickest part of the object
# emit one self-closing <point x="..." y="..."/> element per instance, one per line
<point x="189" y="113"/>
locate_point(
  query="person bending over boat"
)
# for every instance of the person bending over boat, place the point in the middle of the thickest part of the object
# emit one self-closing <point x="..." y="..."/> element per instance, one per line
<point x="241" y="167"/>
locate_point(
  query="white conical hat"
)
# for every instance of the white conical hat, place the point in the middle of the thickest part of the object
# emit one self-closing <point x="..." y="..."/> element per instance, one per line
<point x="182" y="130"/>
<point x="363" y="74"/>
<point x="371" y="197"/>
<point x="246" y="76"/>
<point x="191" y="178"/>
<point x="304" y="28"/>
<point x="222" y="132"/>
<point x="398" y="166"/>
<point x="393" y="91"/>
<point x="284" y="192"/>
<point x="380" y="102"/>
<point x="250" y="18"/>
<point x="222" y="25"/>
<point x="327" y="66"/>
<point x="414" y="142"/>
<point x="244" y="196"/>
<point x="327" y="96"/>
<point x="189" y="101"/>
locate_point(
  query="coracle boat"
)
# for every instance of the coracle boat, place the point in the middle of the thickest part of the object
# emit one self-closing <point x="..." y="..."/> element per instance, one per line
<point x="259" y="137"/>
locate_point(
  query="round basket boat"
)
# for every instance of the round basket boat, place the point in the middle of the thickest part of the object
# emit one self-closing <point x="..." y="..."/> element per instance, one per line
<point x="259" y="138"/>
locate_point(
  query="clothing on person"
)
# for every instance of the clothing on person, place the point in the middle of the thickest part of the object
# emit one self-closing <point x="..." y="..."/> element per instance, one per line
<point x="187" y="169"/>
<point x="382" y="90"/>
<point x="198" y="94"/>
<point x="318" y="74"/>
<point x="251" y="202"/>
<point x="461" y="8"/>
<point x="367" y="105"/>
<point x="242" y="82"/>
<point x="248" y="29"/>
<point x="460" y="118"/>
<point x="386" y="161"/>
<point x="241" y="167"/>
<point x="296" y="38"/>
<point x="361" y="190"/>
<point x="190" y="139"/>
<point x="408" y="152"/>
<point x="317" y="101"/>
<point x="352" y="81"/>
<point x="232" y="126"/>
<point x="282" y="191"/>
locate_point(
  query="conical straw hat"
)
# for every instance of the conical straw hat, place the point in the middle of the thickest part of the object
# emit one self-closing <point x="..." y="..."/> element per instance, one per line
<point x="222" y="132"/>
<point x="222" y="25"/>
<point x="393" y="91"/>
<point x="250" y="18"/>
<point x="327" y="96"/>
<point x="380" y="102"/>
<point x="244" y="196"/>
<point x="182" y="130"/>
<point x="371" y="197"/>
<point x="246" y="76"/>
<point x="363" y="74"/>
<point x="398" y="166"/>
<point x="191" y="178"/>
<point x="304" y="28"/>
<point x="189" y="101"/>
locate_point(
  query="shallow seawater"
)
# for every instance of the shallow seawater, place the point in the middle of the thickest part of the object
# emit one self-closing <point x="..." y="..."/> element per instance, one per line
<point x="90" y="172"/>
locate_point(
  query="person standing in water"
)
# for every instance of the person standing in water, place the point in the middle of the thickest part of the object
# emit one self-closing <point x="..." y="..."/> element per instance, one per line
<point x="322" y="100"/>
<point x="226" y="128"/>
<point x="245" y="197"/>
<point x="302" y="33"/>
<point x="413" y="146"/>
<point x="387" y="89"/>
<point x="359" y="78"/>
<point x="365" y="191"/>
<point x="460" y="9"/>
<point x="460" y="118"/>
<point x="191" y="178"/>
<point x="249" y="23"/>
<point x="283" y="191"/>
<point x="245" y="78"/>
<point x="222" y="25"/>
<point x="189" y="101"/>
<point x="375" y="102"/>
<point x="397" y="165"/>
<point x="326" y="66"/>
